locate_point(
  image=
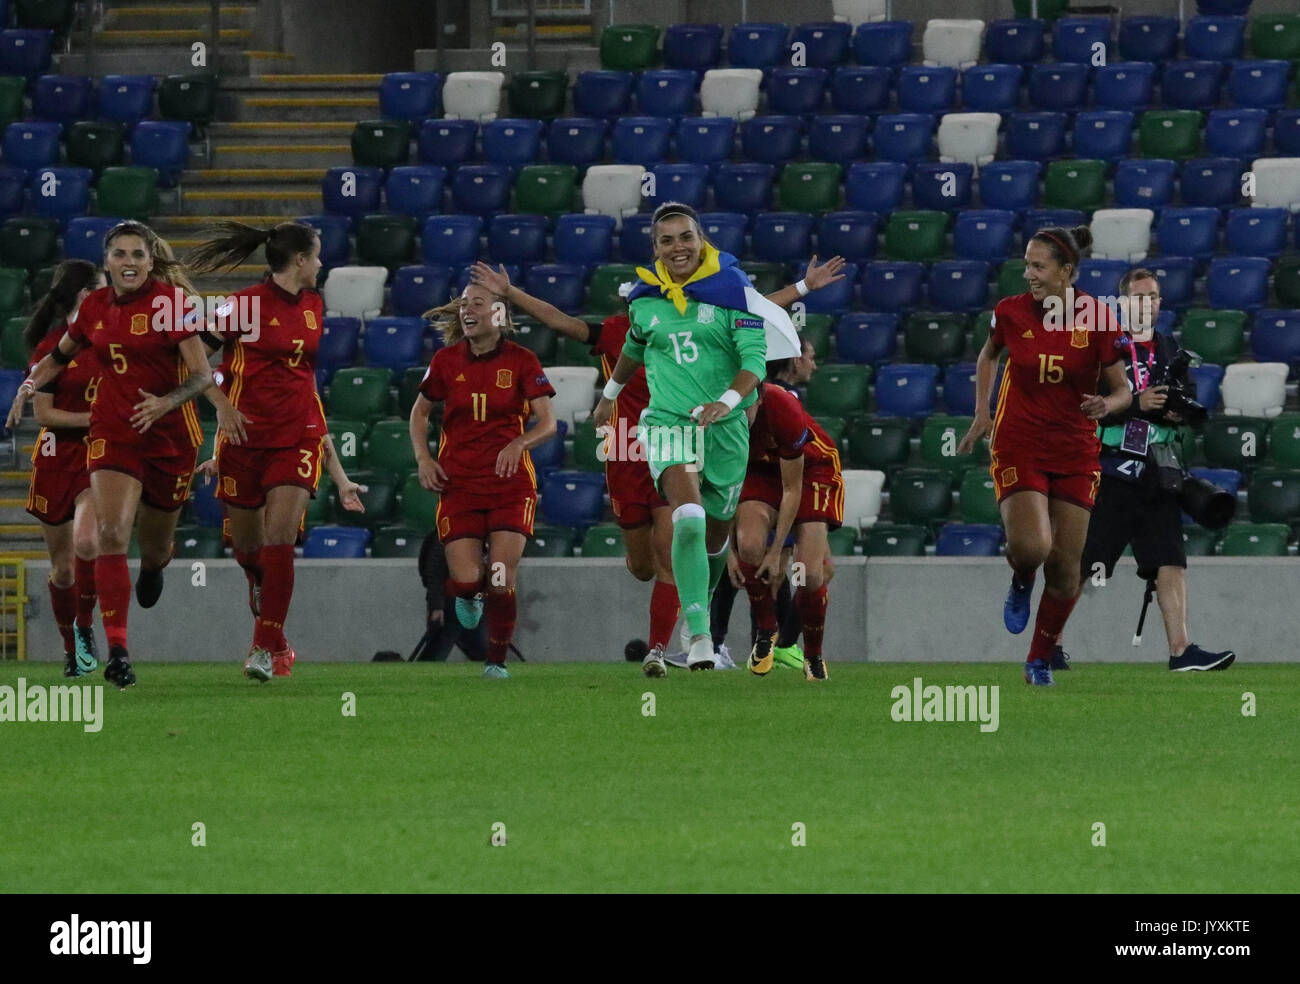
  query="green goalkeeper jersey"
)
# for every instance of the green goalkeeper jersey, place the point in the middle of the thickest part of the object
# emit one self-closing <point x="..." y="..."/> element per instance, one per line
<point x="691" y="358"/>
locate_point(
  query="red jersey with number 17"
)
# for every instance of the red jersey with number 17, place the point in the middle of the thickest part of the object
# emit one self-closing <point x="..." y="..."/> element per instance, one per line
<point x="782" y="428"/>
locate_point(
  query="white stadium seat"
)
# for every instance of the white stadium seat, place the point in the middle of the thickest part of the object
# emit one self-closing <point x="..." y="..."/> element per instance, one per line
<point x="472" y="96"/>
<point x="730" y="92"/>
<point x="612" y="189"/>
<point x="1254" y="389"/>
<point x="862" y="497"/>
<point x="354" y="291"/>
<point x="1277" y="183"/>
<point x="1122" y="233"/>
<point x="954" y="43"/>
<point x="969" y="138"/>
<point x="575" y="392"/>
<point x="857" y="12"/>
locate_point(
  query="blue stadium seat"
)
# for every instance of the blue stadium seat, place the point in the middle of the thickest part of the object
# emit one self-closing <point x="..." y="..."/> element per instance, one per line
<point x="417" y="289"/>
<point x="61" y="98"/>
<point x="1258" y="84"/>
<point x="548" y="456"/>
<point x="1015" y="42"/>
<point x="1009" y="185"/>
<point x="1165" y="322"/>
<point x="892" y="286"/>
<point x="451" y="239"/>
<point x="1101" y="278"/>
<point x="757" y="45"/>
<point x="983" y="234"/>
<point x="447" y="143"/>
<point x="959" y="389"/>
<point x="1045" y="218"/>
<point x="25" y="52"/>
<point x="905" y="137"/>
<point x="926" y="89"/>
<point x="782" y="237"/>
<point x="1275" y="336"/>
<point x="875" y="186"/>
<point x="335" y="543"/>
<point x="726" y="230"/>
<point x="866" y="338"/>
<point x="1074" y="39"/>
<point x="205" y="507"/>
<point x="1208" y="379"/>
<point x="1103" y="134"/>
<point x="514" y="271"/>
<point x="1035" y="136"/>
<point x="697" y="47"/>
<point x="514" y="142"/>
<point x="125" y="98"/>
<point x="907" y="390"/>
<point x="1177" y="278"/>
<point x="10" y="380"/>
<point x="163" y="145"/>
<point x="641" y="139"/>
<point x="516" y="238"/>
<point x="61" y="192"/>
<point x="83" y="239"/>
<point x="743" y="188"/>
<point x="991" y="88"/>
<point x="1238" y="283"/>
<point x="1058" y="87"/>
<point x="1211" y="181"/>
<point x="1145" y="183"/>
<point x="603" y="95"/>
<point x="31" y="145"/>
<point x="1286" y="132"/>
<point x="835" y="298"/>
<point x="850" y="234"/>
<point x="332" y="230"/>
<point x="1214" y="38"/>
<point x="576" y="140"/>
<point x="339" y="341"/>
<point x="634" y="244"/>
<point x="883" y="43"/>
<point x="394" y="342"/>
<point x="1188" y="232"/>
<point x="941" y="187"/>
<point x="413" y="96"/>
<point x="1256" y="231"/>
<point x="959" y="285"/>
<point x="685" y="183"/>
<point x="861" y="88"/>
<point x="584" y="240"/>
<point x="796" y="91"/>
<point x="363" y="183"/>
<point x="706" y="139"/>
<point x="1125" y="85"/>
<point x="1228" y="479"/>
<point x="482" y="188"/>
<point x="1190" y="84"/>
<point x="1149" y="39"/>
<point x="415" y="189"/>
<point x="838" y="138"/>
<point x="1222" y="8"/>
<point x="666" y="92"/>
<point x="571" y="499"/>
<point x="826" y="43"/>
<point x="559" y="284"/>
<point x="968" y="540"/>
<point x="771" y="139"/>
<point x="1238" y="133"/>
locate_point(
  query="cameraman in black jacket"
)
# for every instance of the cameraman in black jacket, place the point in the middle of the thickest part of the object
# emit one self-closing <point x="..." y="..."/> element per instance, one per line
<point x="1133" y="504"/>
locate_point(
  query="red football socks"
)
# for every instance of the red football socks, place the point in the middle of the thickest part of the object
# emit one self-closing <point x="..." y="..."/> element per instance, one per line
<point x="501" y="612"/>
<point x="114" y="582"/>
<point x="63" y="602"/>
<point x="812" y="612"/>
<point x="86" y="596"/>
<point x="1048" y="625"/>
<point x="761" y="602"/>
<point x="664" y="607"/>
<point x="276" y="563"/>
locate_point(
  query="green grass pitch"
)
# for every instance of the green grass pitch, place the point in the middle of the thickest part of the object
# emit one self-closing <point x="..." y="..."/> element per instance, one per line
<point x="596" y="796"/>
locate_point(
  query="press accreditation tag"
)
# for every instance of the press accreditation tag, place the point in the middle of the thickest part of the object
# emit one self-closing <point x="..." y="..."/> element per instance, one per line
<point x="1137" y="437"/>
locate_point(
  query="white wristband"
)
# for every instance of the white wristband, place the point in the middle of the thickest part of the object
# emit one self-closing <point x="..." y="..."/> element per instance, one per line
<point x="802" y="288"/>
<point x="612" y="389"/>
<point x="729" y="399"/>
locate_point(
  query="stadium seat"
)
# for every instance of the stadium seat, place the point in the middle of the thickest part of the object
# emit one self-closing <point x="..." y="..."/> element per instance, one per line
<point x="1274" y="495"/>
<point x="862" y="497"/>
<point x="894" y="540"/>
<point x="472" y="96"/>
<point x="731" y="93"/>
<point x="706" y="140"/>
<point x="451" y="239"/>
<point x="1177" y="278"/>
<point x="838" y="138"/>
<point x="410" y="96"/>
<point x="1188" y="232"/>
<point x="1258" y="84"/>
<point x="577" y="141"/>
<point x="1101" y="278"/>
<point x="351" y="191"/>
<point x="1078" y="184"/>
<point x="771" y="139"/>
<point x="877" y="443"/>
<point x="391" y="542"/>
<point x="1125" y="85"/>
<point x="388" y="447"/>
<point x="782" y="237"/>
<point x="754" y="45"/>
<point x="1122" y="233"/>
<point x="694" y="46"/>
<point x="447" y="143"/>
<point x="875" y="186"/>
<point x="355" y="291"/>
<point x="517" y="239"/>
<point x="1254" y="389"/>
<point x="14" y="352"/>
<point x="1238" y="282"/>
<point x="1015" y="42"/>
<point x="25" y="52"/>
<point x="386" y="240"/>
<point x="612" y="189"/>
<point x="61" y="192"/>
<point x="1103" y="134"/>
<point x="1207" y="379"/>
<point x="537" y="338"/>
<point x="1198" y="541"/>
<point x="359" y="394"/>
<point x="164" y="146"/>
<point x="481" y="189"/>
<point x="884" y="43"/>
<point x="603" y="540"/>
<point x="558" y="284"/>
<point x="514" y="141"/>
<point x="191" y="98"/>
<point x="1238" y="133"/>
<point x="1010" y="281"/>
<point x="415" y="190"/>
<point x="969" y="540"/>
<point x="977" y="499"/>
<point x="1009" y="185"/>
<point x="131" y="192"/>
<point x="1213" y="182"/>
<point x="888" y="286"/>
<point x="571" y="499"/>
<point x="12" y="88"/>
<point x="1035" y="136"/>
<point x="642" y="140"/>
<point x="833" y="299"/>
<point x="584" y="240"/>
<point x="971" y="138"/>
<point x="809" y="187"/>
<point x="905" y="137"/>
<point x="31" y="145"/>
<point x="726" y="230"/>
<point x="1214" y="38"/>
<point x="1284" y="441"/>
<point x="851" y="235"/>
<point x="547" y="189"/>
<point x="959" y="285"/>
<point x="1234" y="441"/>
<point x="825" y="43"/>
<point x="1058" y="87"/>
<point x="603" y="95"/>
<point x="603" y="297"/>
<point x="61" y="98"/>
<point x="685" y="183"/>
<point x="983" y="234"/>
<point x="1275" y="36"/>
<point x="1254" y="540"/>
<point x="1149" y="39"/>
<point x="838" y="390"/>
<point x="338" y="342"/>
<point x="381" y="143"/>
<point x="1173" y="134"/>
<point x="665" y="92"/>
<point x="1286" y="281"/>
<point x="1275" y="337"/>
<point x="991" y="88"/>
<point x="959" y="388"/>
<point x="125" y="98"/>
<point x="952" y="43"/>
<point x="537" y="95"/>
<point x="1144" y="183"/>
<point x="904" y="390"/>
<point x="941" y="187"/>
<point x="1286" y="132"/>
<point x="934" y="337"/>
<point x="1077" y="39"/>
<point x="816" y="330"/>
<point x="926" y="89"/>
<point x="335" y="543"/>
<point x="1216" y="336"/>
<point x="629" y="47"/>
<point x="1256" y="231"/>
<point x="861" y="89"/>
<point x="550" y="541"/>
<point x="1277" y="183"/>
<point x="920" y="495"/>
<point x="83" y="238"/>
<point x="1190" y="84"/>
<point x="574" y="391"/>
<point x="796" y="91"/>
<point x="416" y="507"/>
<point x="199" y="543"/>
<point x="866" y="338"/>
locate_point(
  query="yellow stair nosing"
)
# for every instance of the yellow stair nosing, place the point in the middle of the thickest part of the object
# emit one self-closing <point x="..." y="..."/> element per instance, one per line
<point x="220" y="147"/>
<point x="363" y="78"/>
<point x="14" y="502"/>
<point x="25" y="529"/>
<point x="171" y="34"/>
<point x="287" y="103"/>
<point x="12" y="555"/>
<point x="195" y="196"/>
<point x="201" y="220"/>
<point x="234" y="173"/>
<point x="258" y="125"/>
<point x="15" y="475"/>
<point x="256" y="53"/>
<point x="181" y="9"/>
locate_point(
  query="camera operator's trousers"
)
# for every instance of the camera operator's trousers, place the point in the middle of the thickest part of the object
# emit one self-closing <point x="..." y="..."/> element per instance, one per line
<point x="1138" y="513"/>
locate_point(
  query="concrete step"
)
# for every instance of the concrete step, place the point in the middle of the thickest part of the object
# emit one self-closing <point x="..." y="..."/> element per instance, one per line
<point x="298" y="108"/>
<point x="284" y="82"/>
<point x="168" y="59"/>
<point x="283" y="200"/>
<point x="170" y="227"/>
<point x="238" y="176"/>
<point x="241" y="37"/>
<point x="192" y="16"/>
<point x="571" y="58"/>
<point x="242" y="154"/>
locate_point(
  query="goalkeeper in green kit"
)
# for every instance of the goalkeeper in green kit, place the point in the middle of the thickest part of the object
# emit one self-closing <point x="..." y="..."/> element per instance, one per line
<point x="705" y="336"/>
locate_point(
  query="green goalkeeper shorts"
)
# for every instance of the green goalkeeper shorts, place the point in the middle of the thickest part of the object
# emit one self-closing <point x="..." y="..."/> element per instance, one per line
<point x="719" y="454"/>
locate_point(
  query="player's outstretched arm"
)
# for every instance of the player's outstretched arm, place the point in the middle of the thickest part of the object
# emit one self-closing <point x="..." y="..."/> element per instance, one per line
<point x="349" y="491"/>
<point x="624" y="369"/>
<point x="41" y="374"/>
<point x="814" y="278"/>
<point x="432" y="476"/>
<point x="498" y="281"/>
<point x="771" y="570"/>
<point x="48" y="415"/>
<point x="982" y="423"/>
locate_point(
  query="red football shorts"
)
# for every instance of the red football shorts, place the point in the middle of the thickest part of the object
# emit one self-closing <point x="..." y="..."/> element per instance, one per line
<point x="464" y="514"/>
<point x="632" y="493"/>
<point x="245" y="475"/>
<point x="56" y="483"/>
<point x="822" y="500"/>
<point x="1019" y="472"/>
<point x="165" y="477"/>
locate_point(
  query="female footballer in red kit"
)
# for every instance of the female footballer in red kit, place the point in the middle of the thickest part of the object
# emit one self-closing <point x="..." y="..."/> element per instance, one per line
<point x="1043" y="439"/>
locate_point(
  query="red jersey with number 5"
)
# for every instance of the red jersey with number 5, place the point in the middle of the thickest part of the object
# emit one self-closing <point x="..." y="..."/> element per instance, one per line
<point x="1052" y="365"/>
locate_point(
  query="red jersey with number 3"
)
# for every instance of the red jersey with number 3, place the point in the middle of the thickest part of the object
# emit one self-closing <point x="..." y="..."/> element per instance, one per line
<point x="635" y="395"/>
<point x="486" y="404"/>
<point x="782" y="428"/>
<point x="136" y="340"/>
<point x="1049" y="372"/>
<point x="269" y="362"/>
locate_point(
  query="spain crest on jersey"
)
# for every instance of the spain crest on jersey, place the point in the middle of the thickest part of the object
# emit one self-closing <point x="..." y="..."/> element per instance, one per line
<point x="309" y="318"/>
<point x="505" y="379"/>
<point x="1079" y="338"/>
<point x="139" y="324"/>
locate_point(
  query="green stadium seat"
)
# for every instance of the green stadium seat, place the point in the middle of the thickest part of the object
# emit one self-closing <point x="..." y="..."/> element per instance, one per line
<point x="199" y="543"/>
<point x="319" y="509"/>
<point x="127" y="192"/>
<point x="920" y="495"/>
<point x="571" y="352"/>
<point x="817" y="329"/>
<point x="586" y="446"/>
<point x="878" y="443"/>
<point x="546" y="189"/>
<point x="1174" y="134"/>
<point x="937" y="337"/>
<point x="1286" y="281"/>
<point x="408" y="388"/>
<point x="29" y="242"/>
<point x="1198" y="541"/>
<point x="386" y="240"/>
<point x="602" y="288"/>
<point x="1216" y="336"/>
<point x="12" y="88"/>
<point x="381" y="143"/>
<point x="1077" y="184"/>
<point x="834" y="428"/>
<point x="550" y="541"/>
<point x="809" y="186"/>
<point x="349" y="437"/>
<point x="603" y="540"/>
<point x="765" y="277"/>
<point x="359" y="393"/>
<point x="980" y="333"/>
<point x="1048" y="10"/>
<point x="979" y="501"/>
<point x="379" y="498"/>
<point x="49" y="15"/>
<point x="1274" y="495"/>
<point x="94" y="144"/>
<point x="1255" y="540"/>
<point x="629" y="47"/>
<point x="1275" y="36"/>
<point x="838" y="390"/>
<point x="894" y="541"/>
<point x="1234" y="442"/>
<point x="192" y="98"/>
<point x="207" y="448"/>
<point x="537" y="95"/>
<point x="843" y="541"/>
<point x="1284" y="440"/>
<point x="1011" y="281"/>
<point x="940" y="435"/>
<point x="417" y="507"/>
<point x="14" y="353"/>
<point x="388" y="447"/>
<point x="919" y="235"/>
<point x="42" y="280"/>
<point x="13" y="290"/>
<point x="537" y="338"/>
<point x="397" y="541"/>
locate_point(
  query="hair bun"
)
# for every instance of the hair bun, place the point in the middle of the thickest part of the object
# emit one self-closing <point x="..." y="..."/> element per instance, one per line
<point x="1082" y="238"/>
